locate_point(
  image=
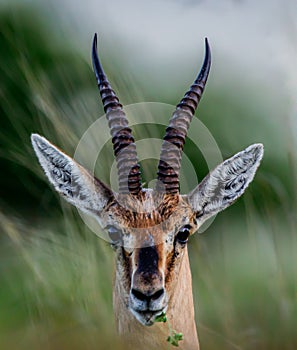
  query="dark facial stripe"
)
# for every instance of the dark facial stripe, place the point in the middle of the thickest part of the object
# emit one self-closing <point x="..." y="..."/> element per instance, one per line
<point x="148" y="259"/>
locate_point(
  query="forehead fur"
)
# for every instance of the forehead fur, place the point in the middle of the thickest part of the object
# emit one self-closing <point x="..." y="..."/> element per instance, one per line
<point x="149" y="209"/>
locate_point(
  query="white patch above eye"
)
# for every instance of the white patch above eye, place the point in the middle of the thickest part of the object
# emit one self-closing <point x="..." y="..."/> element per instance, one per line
<point x="170" y="238"/>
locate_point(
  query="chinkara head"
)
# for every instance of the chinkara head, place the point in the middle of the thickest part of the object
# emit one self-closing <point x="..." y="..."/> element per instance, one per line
<point x="148" y="228"/>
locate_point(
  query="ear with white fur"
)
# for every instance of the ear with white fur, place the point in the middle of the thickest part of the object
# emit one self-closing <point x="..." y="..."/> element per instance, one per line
<point x="228" y="181"/>
<point x="70" y="179"/>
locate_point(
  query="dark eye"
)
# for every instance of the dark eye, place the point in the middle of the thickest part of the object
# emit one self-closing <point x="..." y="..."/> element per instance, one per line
<point x="183" y="234"/>
<point x="115" y="234"/>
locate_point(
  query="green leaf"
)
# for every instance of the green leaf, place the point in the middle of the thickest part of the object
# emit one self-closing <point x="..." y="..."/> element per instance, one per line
<point x="161" y="318"/>
<point x="178" y="336"/>
<point x="175" y="338"/>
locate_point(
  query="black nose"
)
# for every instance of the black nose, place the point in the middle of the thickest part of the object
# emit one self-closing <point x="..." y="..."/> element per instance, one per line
<point x="147" y="296"/>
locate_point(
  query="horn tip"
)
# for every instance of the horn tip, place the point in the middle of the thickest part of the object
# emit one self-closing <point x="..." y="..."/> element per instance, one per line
<point x="207" y="46"/>
<point x="98" y="70"/>
<point x="95" y="43"/>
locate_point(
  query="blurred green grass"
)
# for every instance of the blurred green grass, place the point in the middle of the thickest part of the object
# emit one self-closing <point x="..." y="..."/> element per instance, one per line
<point x="56" y="275"/>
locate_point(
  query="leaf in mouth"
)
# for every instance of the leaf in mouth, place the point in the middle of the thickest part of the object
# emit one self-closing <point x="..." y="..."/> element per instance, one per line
<point x="161" y="318"/>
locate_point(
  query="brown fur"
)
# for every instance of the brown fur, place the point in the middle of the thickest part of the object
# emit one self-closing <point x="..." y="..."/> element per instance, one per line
<point x="153" y="220"/>
<point x="145" y="210"/>
<point x="180" y="314"/>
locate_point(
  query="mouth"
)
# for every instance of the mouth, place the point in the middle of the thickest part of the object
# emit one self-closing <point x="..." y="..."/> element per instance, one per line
<point x="147" y="318"/>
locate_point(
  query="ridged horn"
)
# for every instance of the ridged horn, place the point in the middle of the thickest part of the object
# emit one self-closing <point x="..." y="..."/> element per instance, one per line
<point x="122" y="139"/>
<point x="176" y="132"/>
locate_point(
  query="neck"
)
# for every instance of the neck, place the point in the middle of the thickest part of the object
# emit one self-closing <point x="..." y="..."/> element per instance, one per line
<point x="180" y="315"/>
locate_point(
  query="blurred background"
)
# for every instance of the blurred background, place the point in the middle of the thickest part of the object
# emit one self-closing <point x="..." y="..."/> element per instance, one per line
<point x="55" y="273"/>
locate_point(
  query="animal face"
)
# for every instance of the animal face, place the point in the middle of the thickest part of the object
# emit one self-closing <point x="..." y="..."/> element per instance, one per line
<point x="149" y="240"/>
<point x="148" y="228"/>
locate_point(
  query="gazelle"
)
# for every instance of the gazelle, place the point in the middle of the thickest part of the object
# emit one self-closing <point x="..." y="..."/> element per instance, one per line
<point x="149" y="228"/>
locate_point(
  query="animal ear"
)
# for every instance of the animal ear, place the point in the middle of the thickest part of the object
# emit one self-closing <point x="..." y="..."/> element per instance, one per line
<point x="222" y="186"/>
<point x="70" y="179"/>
